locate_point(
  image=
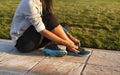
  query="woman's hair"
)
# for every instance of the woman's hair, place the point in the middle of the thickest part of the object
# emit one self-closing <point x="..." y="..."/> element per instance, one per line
<point x="47" y="5"/>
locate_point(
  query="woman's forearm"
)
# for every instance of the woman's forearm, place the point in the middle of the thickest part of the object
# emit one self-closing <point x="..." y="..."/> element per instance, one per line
<point x="52" y="36"/>
<point x="57" y="39"/>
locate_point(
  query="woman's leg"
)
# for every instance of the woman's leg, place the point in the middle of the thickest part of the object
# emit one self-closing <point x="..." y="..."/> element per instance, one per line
<point x="59" y="32"/>
<point x="52" y="25"/>
<point x="29" y="41"/>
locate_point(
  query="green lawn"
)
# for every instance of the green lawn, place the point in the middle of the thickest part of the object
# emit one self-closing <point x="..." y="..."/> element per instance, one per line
<point x="96" y="23"/>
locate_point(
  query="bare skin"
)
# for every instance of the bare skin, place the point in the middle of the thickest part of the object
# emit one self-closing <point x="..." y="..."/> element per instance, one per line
<point x="58" y="35"/>
<point x="76" y="41"/>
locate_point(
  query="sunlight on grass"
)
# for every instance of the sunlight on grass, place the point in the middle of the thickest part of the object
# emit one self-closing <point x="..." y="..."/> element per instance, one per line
<point x="96" y="23"/>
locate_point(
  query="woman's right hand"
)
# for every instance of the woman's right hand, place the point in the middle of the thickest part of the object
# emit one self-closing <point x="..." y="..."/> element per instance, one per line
<point x="72" y="47"/>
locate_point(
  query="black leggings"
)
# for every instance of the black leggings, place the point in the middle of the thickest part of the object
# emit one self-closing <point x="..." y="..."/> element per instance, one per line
<point x="30" y="40"/>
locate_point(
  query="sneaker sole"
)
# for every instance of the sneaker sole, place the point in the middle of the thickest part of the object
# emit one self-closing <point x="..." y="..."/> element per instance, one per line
<point x="56" y="53"/>
<point x="73" y="54"/>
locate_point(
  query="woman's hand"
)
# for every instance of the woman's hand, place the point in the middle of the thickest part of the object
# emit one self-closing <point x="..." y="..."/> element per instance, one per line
<point x="72" y="47"/>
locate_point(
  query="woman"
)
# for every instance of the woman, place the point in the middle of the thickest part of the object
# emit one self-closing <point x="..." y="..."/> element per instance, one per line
<point x="34" y="25"/>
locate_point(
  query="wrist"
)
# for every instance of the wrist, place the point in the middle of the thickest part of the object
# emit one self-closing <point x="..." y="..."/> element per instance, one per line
<point x="68" y="43"/>
<point x="65" y="43"/>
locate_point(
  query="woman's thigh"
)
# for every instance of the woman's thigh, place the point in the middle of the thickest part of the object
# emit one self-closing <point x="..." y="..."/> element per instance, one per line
<point x="29" y="41"/>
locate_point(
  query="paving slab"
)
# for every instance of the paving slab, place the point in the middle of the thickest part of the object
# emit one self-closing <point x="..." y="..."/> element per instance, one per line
<point x="13" y="62"/>
<point x="103" y="62"/>
<point x="101" y="70"/>
<point x="67" y="65"/>
<point x="105" y="58"/>
<point x="58" y="66"/>
<point x="2" y="41"/>
<point x="6" y="46"/>
<point x="15" y="65"/>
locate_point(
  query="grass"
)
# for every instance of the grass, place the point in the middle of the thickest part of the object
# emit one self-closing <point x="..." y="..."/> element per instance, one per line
<point x="96" y="23"/>
<point x="7" y="9"/>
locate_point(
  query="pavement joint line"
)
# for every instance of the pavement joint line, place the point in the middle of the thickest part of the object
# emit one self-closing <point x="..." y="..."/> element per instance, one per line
<point x="85" y="63"/>
<point x="34" y="66"/>
<point x="4" y="54"/>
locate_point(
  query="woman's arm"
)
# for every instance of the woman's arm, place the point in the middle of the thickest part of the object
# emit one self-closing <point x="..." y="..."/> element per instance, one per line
<point x="76" y="41"/>
<point x="57" y="39"/>
<point x="52" y="36"/>
<point x="32" y="14"/>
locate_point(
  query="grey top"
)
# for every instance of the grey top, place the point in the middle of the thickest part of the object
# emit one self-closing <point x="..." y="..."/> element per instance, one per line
<point x="28" y="13"/>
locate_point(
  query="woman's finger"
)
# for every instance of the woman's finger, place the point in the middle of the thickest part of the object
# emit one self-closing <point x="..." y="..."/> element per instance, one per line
<point x="75" y="50"/>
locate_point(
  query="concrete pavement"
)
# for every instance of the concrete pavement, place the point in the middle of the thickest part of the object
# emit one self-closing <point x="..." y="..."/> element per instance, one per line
<point x="100" y="62"/>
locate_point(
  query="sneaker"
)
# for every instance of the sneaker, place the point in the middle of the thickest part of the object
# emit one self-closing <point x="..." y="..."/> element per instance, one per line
<point x="54" y="50"/>
<point x="83" y="52"/>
